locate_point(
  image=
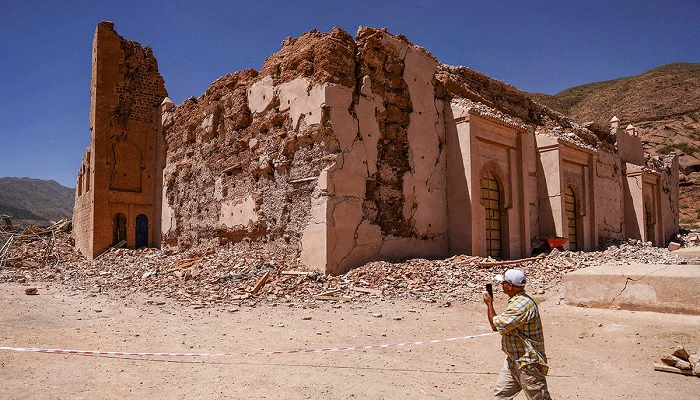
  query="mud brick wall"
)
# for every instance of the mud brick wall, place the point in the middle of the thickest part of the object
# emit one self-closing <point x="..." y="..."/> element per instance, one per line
<point x="245" y="165"/>
<point x="242" y="176"/>
<point x="610" y="202"/>
<point x="121" y="170"/>
<point x="669" y="168"/>
<point x="142" y="89"/>
<point x="384" y="66"/>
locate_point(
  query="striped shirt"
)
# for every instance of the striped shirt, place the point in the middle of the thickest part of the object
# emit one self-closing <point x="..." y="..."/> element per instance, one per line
<point x="521" y="332"/>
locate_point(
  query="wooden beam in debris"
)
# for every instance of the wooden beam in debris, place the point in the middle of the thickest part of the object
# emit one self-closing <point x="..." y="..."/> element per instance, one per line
<point x="328" y="292"/>
<point x="367" y="290"/>
<point x="260" y="283"/>
<point x="114" y="246"/>
<point x="510" y="262"/>
<point x="231" y="168"/>
<point x="335" y="298"/>
<point x="309" y="179"/>
<point x="668" y="368"/>
<point x="185" y="263"/>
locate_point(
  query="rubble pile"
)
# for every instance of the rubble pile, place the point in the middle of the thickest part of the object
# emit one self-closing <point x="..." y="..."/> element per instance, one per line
<point x="680" y="362"/>
<point x="688" y="238"/>
<point x="228" y="276"/>
<point x="36" y="246"/>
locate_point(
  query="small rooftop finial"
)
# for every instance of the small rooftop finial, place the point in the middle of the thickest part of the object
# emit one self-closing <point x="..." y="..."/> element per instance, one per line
<point x="614" y="122"/>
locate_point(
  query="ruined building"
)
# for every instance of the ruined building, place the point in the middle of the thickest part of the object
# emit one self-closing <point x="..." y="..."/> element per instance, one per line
<point x="342" y="151"/>
<point x="119" y="183"/>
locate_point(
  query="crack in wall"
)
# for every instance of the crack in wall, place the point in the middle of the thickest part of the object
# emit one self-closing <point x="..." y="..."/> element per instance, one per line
<point x="636" y="180"/>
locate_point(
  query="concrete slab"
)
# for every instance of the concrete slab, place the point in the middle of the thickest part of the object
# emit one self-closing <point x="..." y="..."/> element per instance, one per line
<point x="646" y="287"/>
<point x="688" y="252"/>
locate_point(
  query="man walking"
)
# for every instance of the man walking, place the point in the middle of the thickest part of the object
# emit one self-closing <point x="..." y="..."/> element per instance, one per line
<point x="522" y="340"/>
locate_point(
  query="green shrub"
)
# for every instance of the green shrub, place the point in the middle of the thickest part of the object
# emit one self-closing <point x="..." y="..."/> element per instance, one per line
<point x="686" y="148"/>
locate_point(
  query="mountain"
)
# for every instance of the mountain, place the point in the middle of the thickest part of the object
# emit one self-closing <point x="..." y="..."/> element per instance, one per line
<point x="664" y="103"/>
<point x="35" y="201"/>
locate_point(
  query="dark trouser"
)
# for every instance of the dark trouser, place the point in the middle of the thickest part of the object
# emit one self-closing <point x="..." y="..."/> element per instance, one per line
<point x="528" y="378"/>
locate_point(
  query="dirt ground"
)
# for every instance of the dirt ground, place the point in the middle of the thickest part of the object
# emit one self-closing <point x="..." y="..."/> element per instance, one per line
<point x="594" y="354"/>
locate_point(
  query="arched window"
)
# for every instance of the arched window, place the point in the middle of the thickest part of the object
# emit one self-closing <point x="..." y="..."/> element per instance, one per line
<point x="141" y="231"/>
<point x="491" y="199"/>
<point x="119" y="228"/>
<point x="570" y="210"/>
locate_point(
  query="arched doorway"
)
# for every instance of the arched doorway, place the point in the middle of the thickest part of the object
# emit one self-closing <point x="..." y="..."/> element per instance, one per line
<point x="141" y="231"/>
<point x="118" y="228"/>
<point x="570" y="210"/>
<point x="491" y="199"/>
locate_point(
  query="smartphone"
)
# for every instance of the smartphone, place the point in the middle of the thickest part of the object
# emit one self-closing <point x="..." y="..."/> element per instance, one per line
<point x="489" y="289"/>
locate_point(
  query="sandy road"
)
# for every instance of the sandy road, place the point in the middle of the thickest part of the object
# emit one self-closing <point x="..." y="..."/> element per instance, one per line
<point x="594" y="354"/>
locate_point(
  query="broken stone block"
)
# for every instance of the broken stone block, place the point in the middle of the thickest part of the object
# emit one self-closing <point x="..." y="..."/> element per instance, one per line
<point x="673" y="246"/>
<point x="668" y="360"/>
<point x="684" y="365"/>
<point x="681" y="353"/>
<point x="676" y="362"/>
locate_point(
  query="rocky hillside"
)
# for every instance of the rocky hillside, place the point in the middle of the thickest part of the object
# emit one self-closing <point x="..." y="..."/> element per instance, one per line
<point x="34" y="201"/>
<point x="664" y="103"/>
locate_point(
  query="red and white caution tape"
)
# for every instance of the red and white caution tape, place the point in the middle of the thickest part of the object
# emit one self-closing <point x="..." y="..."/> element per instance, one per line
<point x="242" y="353"/>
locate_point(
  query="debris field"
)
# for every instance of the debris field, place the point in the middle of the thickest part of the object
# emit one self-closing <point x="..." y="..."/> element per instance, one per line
<point x="225" y="276"/>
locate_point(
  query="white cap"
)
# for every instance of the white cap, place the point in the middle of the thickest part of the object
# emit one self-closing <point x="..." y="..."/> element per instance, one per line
<point x="513" y="276"/>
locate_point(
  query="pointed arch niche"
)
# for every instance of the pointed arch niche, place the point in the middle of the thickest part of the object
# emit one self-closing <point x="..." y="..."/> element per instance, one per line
<point x="495" y="198"/>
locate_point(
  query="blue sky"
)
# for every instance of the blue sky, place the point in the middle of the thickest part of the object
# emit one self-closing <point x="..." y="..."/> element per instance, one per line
<point x="537" y="46"/>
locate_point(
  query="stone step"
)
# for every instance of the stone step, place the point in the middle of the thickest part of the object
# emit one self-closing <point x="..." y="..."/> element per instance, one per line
<point x="688" y="252"/>
<point x="644" y="287"/>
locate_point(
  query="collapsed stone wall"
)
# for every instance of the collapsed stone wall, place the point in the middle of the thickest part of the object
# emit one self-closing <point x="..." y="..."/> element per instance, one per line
<point x="334" y="152"/>
<point x="466" y="83"/>
<point x="383" y="65"/>
<point x="237" y="171"/>
<point x="142" y="89"/>
<point x="244" y="159"/>
<point x="387" y="191"/>
<point x="232" y="175"/>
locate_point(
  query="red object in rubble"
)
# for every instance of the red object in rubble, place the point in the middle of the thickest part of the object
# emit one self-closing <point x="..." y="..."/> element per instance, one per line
<point x="556" y="242"/>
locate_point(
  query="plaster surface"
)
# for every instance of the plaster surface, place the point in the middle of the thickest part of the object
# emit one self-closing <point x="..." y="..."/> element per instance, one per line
<point x="241" y="212"/>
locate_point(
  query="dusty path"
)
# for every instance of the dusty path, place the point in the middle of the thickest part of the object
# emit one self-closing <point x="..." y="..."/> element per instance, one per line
<point x="594" y="354"/>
